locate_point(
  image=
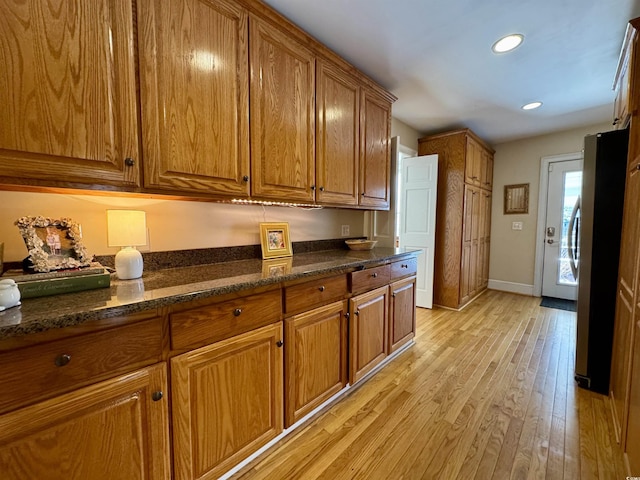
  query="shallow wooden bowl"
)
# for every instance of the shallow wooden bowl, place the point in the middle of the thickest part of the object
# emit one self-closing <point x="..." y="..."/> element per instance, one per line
<point x="361" y="244"/>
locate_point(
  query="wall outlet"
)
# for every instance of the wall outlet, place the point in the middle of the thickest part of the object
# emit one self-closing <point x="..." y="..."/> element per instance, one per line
<point x="345" y="230"/>
<point x="516" y="225"/>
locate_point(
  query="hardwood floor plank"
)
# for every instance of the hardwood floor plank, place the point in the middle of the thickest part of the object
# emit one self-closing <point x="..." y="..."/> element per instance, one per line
<point x="540" y="452"/>
<point x="606" y="462"/>
<point x="536" y="372"/>
<point x="487" y="392"/>
<point x="491" y="411"/>
<point x="555" y="462"/>
<point x="588" y="447"/>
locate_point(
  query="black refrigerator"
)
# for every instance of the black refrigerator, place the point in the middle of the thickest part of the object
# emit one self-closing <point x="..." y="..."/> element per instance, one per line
<point x="598" y="251"/>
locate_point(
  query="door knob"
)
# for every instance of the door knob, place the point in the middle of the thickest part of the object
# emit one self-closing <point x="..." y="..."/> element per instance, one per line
<point x="550" y="241"/>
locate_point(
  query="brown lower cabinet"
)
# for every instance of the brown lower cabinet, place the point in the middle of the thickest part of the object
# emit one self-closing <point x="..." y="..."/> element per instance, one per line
<point x="633" y="422"/>
<point x="368" y="342"/>
<point x="315" y="358"/>
<point x="116" y="429"/>
<point x="238" y="375"/>
<point x="226" y="402"/>
<point x="402" y="313"/>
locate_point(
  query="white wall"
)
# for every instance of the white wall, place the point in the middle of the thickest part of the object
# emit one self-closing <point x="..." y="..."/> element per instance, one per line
<point x="172" y="224"/>
<point x="408" y="135"/>
<point x="512" y="264"/>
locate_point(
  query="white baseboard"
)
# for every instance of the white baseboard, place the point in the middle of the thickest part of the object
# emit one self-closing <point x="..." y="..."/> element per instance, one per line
<point x="512" y="287"/>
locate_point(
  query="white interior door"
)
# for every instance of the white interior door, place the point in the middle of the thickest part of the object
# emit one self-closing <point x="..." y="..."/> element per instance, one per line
<point x="565" y="183"/>
<point x="418" y="185"/>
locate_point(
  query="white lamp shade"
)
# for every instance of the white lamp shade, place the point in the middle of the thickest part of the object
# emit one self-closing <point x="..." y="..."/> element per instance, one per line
<point x="126" y="228"/>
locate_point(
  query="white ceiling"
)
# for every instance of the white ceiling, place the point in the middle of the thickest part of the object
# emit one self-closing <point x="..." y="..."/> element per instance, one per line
<point x="435" y="56"/>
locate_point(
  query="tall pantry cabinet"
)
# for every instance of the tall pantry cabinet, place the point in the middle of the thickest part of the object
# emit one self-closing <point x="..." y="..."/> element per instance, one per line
<point x="463" y="215"/>
<point x="624" y="388"/>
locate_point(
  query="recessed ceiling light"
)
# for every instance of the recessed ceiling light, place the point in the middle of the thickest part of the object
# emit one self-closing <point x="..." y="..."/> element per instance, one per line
<point x="531" y="106"/>
<point x="508" y="43"/>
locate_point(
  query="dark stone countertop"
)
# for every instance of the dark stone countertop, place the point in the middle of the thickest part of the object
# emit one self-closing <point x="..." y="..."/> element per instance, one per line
<point x="175" y="285"/>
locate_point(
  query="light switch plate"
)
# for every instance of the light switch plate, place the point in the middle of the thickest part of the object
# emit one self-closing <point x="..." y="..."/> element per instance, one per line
<point x="516" y="225"/>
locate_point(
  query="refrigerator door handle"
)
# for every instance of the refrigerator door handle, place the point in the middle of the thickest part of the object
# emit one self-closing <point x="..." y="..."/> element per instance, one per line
<point x="572" y="239"/>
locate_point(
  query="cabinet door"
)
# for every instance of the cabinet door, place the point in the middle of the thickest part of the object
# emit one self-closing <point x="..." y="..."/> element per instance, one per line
<point x="402" y="312"/>
<point x="367" y="332"/>
<point x="68" y="97"/>
<point x="470" y="244"/>
<point x="484" y="231"/>
<point x="375" y="150"/>
<point x="632" y="444"/>
<point x="620" y="358"/>
<point x="337" y="131"/>
<point x="633" y="427"/>
<point x="465" y="269"/>
<point x="226" y="402"/>
<point x="487" y="170"/>
<point x="630" y="238"/>
<point x="476" y="222"/>
<point x="282" y="92"/>
<point x="315" y="358"/>
<point x="473" y="163"/>
<point x="116" y="429"/>
<point x="194" y="82"/>
<point x="486" y="238"/>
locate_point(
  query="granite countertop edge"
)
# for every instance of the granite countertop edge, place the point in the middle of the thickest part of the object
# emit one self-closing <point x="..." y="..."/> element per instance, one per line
<point x="37" y="315"/>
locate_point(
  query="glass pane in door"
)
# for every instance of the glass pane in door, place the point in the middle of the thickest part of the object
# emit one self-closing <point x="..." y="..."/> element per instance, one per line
<point x="572" y="187"/>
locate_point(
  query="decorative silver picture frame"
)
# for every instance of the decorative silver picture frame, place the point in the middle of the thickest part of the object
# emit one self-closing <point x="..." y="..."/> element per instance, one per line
<point x="53" y="244"/>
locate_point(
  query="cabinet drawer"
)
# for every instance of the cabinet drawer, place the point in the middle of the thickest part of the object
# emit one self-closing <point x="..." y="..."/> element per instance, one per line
<point x="404" y="268"/>
<point x="211" y="323"/>
<point x="315" y="292"/>
<point x="42" y="371"/>
<point x="370" y="278"/>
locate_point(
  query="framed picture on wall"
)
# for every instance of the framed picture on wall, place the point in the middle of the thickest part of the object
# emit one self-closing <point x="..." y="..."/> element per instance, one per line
<point x="275" y="240"/>
<point x="516" y="198"/>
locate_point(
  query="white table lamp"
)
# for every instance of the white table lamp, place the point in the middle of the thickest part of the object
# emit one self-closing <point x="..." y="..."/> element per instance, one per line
<point x="127" y="229"/>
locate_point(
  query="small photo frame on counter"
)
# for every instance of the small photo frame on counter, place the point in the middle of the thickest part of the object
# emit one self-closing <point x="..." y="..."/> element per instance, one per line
<point x="53" y="244"/>
<point x="275" y="240"/>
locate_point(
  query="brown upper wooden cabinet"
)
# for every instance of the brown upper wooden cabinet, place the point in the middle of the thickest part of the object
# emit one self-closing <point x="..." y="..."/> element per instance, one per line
<point x="375" y="150"/>
<point x="621" y="84"/>
<point x="68" y="105"/>
<point x="282" y="93"/>
<point x="473" y="164"/>
<point x="463" y="219"/>
<point x="203" y="99"/>
<point x="337" y="135"/>
<point x="352" y="140"/>
<point x="194" y="85"/>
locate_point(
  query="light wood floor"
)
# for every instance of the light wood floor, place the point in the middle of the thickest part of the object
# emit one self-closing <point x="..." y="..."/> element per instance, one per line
<point x="485" y="393"/>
